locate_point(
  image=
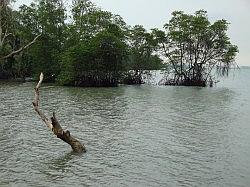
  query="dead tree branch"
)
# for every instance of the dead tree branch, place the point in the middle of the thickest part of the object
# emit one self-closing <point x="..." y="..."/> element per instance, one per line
<point x="22" y="48"/>
<point x="54" y="125"/>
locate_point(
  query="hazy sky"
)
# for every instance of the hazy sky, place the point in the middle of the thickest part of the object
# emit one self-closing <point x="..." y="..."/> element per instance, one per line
<point x="155" y="13"/>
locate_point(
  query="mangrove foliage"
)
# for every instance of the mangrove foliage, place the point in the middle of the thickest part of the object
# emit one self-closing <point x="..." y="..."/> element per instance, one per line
<point x="84" y="45"/>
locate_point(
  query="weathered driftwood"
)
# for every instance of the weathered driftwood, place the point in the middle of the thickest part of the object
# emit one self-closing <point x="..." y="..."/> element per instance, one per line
<point x="54" y="125"/>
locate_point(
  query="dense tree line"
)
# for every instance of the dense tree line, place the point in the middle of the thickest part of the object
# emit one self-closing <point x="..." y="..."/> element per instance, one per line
<point x="87" y="46"/>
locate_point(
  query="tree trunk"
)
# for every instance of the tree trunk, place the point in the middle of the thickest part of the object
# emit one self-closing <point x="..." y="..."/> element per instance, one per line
<point x="54" y="125"/>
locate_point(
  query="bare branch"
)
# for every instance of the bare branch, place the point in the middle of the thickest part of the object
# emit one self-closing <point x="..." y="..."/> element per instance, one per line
<point x="54" y="125"/>
<point x="36" y="104"/>
<point x="6" y="36"/>
<point x="22" y="48"/>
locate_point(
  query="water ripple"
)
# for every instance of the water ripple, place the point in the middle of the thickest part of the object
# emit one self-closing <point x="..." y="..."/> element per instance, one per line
<point x="135" y="136"/>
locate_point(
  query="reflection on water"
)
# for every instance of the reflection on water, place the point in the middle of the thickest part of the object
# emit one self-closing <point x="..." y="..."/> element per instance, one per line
<point x="135" y="136"/>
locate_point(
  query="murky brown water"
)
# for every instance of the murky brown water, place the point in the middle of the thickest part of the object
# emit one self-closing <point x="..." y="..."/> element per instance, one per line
<point x="135" y="135"/>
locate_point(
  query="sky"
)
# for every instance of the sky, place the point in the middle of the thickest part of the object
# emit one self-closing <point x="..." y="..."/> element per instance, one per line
<point x="155" y="13"/>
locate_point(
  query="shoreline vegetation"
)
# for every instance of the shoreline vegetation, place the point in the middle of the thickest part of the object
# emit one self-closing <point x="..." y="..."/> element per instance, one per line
<point x="87" y="46"/>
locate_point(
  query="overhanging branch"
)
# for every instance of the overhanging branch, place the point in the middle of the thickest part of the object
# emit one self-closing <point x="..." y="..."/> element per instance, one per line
<point x="22" y="48"/>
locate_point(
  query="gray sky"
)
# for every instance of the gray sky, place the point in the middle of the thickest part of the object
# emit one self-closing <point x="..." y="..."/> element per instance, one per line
<point x="155" y="13"/>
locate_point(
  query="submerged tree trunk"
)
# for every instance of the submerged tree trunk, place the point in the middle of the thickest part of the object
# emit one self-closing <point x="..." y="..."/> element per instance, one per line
<point x="54" y="125"/>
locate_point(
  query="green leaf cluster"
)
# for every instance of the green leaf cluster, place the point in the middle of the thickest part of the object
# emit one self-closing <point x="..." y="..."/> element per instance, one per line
<point x="93" y="47"/>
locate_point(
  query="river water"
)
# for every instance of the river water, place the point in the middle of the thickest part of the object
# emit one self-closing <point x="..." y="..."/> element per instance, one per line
<point x="135" y="135"/>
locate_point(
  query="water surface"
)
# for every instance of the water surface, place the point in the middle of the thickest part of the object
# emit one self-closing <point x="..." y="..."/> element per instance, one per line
<point x="135" y="135"/>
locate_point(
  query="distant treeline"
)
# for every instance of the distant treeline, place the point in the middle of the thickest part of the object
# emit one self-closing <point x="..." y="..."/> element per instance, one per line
<point x="88" y="46"/>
